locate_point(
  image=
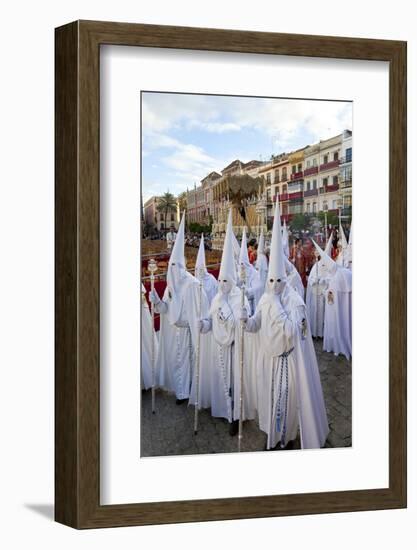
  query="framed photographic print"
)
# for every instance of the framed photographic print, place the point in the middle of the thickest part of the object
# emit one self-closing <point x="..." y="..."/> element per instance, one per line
<point x="230" y="274"/>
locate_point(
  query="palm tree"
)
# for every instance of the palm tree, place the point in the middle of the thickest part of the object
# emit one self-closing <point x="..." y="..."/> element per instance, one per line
<point x="166" y="203"/>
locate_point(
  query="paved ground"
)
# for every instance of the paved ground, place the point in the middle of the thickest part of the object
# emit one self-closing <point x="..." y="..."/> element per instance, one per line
<point x="170" y="430"/>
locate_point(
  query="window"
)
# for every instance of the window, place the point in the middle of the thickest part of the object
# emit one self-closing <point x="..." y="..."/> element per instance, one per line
<point x="268" y="194"/>
<point x="314" y="184"/>
<point x="284" y="174"/>
<point x="334" y="204"/>
<point x="314" y="207"/>
<point x="268" y="177"/>
<point x="284" y="188"/>
<point x="294" y="169"/>
<point x="276" y="176"/>
<point x="308" y="164"/>
<point x="308" y="186"/>
<point x="335" y="180"/>
<point x="325" y="159"/>
<point x="314" y="162"/>
<point x="349" y="154"/>
<point x="308" y="208"/>
<point x="336" y="155"/>
<point x="276" y="190"/>
<point x="300" y="167"/>
<point x="172" y="217"/>
<point x="325" y="181"/>
<point x="325" y="206"/>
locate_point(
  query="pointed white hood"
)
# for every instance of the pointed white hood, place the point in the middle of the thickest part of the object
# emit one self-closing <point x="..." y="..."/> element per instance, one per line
<point x="177" y="254"/>
<point x="328" y="249"/>
<point x="261" y="245"/>
<point x="276" y="268"/>
<point x="177" y="275"/>
<point x="200" y="264"/>
<point x="243" y="255"/>
<point x="285" y="240"/>
<point x="342" y="237"/>
<point x="326" y="261"/>
<point x="235" y="242"/>
<point x="228" y="264"/>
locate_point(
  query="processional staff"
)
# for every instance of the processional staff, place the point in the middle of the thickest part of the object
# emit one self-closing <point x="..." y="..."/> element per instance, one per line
<point x="242" y="331"/>
<point x="153" y="268"/>
<point x="200" y="272"/>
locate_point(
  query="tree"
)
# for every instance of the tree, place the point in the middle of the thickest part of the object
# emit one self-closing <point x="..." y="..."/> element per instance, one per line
<point x="300" y="221"/>
<point x="332" y="218"/>
<point x="166" y="203"/>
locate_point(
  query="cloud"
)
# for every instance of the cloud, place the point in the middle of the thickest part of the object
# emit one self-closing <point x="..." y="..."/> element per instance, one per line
<point x="283" y="119"/>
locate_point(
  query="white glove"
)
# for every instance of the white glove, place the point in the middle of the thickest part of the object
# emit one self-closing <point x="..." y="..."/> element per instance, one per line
<point x="244" y="315"/>
<point x="153" y="297"/>
<point x="204" y="325"/>
<point x="250" y="293"/>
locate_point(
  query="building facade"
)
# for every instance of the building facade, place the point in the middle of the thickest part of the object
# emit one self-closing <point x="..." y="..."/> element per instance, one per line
<point x="157" y="220"/>
<point x="345" y="182"/>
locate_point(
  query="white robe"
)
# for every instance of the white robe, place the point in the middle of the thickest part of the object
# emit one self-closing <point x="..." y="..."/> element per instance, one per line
<point x="253" y="285"/>
<point x="316" y="289"/>
<point x="178" y="336"/>
<point x="210" y="285"/>
<point x="220" y="375"/>
<point x="306" y="408"/>
<point x="294" y="279"/>
<point x="146" y="347"/>
<point x="338" y="313"/>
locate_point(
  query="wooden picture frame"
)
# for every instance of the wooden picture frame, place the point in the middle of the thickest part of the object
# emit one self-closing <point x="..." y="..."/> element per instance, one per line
<point x="77" y="358"/>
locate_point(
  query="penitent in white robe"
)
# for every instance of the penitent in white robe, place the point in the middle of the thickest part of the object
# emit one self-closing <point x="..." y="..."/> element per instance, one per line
<point x="146" y="347"/>
<point x="178" y="336"/>
<point x="276" y="376"/>
<point x="338" y="313"/>
<point x="306" y="408"/>
<point x="220" y="375"/>
<point x="316" y="289"/>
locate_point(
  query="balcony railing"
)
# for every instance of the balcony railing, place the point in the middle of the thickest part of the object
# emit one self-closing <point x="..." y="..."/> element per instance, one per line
<point x="283" y="197"/>
<point x="330" y="188"/>
<point x="346" y="183"/>
<point x="295" y="196"/>
<point x="311" y="193"/>
<point x="297" y="176"/>
<point x="345" y="160"/>
<point x="284" y="178"/>
<point x="311" y="170"/>
<point x="329" y="165"/>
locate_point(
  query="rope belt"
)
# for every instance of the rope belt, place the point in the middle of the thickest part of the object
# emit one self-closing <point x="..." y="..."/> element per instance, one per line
<point x="283" y="410"/>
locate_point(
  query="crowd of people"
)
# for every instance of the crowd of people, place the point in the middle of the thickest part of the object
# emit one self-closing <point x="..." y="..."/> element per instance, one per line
<point x="242" y="345"/>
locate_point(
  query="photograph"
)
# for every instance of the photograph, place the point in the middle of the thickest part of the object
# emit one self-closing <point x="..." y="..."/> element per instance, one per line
<point x="246" y="274"/>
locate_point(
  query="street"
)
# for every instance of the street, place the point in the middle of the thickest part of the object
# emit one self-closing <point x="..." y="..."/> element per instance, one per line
<point x="170" y="430"/>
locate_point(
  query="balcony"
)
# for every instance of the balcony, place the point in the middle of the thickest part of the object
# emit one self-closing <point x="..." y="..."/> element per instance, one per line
<point x="311" y="193"/>
<point x="297" y="176"/>
<point x="296" y="196"/>
<point x="329" y="165"/>
<point x="284" y="178"/>
<point x="332" y="188"/>
<point x="346" y="184"/>
<point x="283" y="197"/>
<point x="310" y="171"/>
<point x="345" y="160"/>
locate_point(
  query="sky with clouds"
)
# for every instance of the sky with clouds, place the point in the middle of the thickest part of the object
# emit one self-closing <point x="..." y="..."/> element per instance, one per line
<point x="185" y="137"/>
